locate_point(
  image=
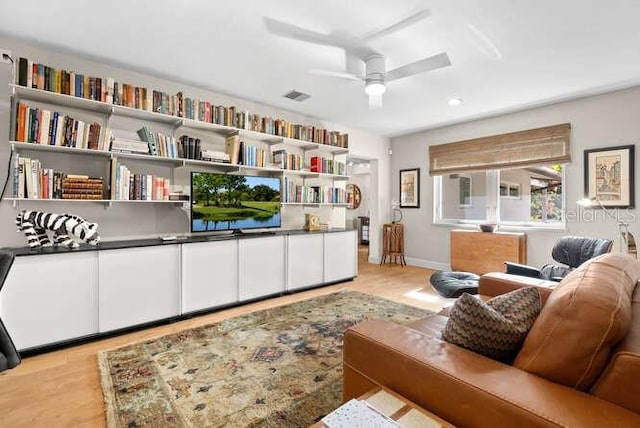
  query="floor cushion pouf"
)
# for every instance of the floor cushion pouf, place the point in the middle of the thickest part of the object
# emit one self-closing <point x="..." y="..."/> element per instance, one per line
<point x="453" y="284"/>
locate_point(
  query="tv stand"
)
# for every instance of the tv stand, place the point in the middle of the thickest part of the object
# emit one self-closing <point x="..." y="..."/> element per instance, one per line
<point x="252" y="233"/>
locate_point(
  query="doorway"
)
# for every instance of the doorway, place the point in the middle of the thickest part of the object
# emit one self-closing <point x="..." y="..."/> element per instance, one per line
<point x="361" y="211"/>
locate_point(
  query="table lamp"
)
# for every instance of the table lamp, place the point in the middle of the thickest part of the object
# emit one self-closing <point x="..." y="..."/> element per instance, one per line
<point x="627" y="240"/>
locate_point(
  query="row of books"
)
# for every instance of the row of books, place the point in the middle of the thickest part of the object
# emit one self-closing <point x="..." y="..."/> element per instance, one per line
<point x="41" y="126"/>
<point x="126" y="186"/>
<point x="327" y="166"/>
<point x="284" y="160"/>
<point x="32" y="181"/>
<point x="34" y="75"/>
<point x="296" y="193"/>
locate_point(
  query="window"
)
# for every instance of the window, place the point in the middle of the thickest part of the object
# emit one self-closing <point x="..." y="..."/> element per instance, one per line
<point x="465" y="191"/>
<point x="525" y="196"/>
<point x="510" y="190"/>
<point x="515" y="178"/>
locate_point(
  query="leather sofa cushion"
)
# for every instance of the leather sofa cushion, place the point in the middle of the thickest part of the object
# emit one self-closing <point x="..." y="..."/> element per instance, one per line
<point x="620" y="383"/>
<point x="497" y="328"/>
<point x="584" y="318"/>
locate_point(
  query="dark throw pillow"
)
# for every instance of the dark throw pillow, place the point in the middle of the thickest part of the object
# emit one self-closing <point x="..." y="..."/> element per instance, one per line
<point x="496" y="328"/>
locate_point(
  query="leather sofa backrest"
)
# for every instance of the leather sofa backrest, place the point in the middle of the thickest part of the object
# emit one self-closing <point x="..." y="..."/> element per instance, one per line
<point x="620" y="381"/>
<point x="587" y="315"/>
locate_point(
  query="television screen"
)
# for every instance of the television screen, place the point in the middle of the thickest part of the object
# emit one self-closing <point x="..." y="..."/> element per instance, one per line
<point x="230" y="202"/>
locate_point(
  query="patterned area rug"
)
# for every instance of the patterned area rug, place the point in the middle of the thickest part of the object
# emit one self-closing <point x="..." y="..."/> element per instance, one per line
<point x="277" y="367"/>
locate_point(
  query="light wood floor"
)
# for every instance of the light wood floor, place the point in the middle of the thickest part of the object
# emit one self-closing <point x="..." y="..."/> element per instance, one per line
<point x="62" y="388"/>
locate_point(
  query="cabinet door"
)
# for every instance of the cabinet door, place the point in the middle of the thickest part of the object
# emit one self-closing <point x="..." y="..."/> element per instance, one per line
<point x="138" y="285"/>
<point x="305" y="264"/>
<point x="51" y="298"/>
<point x="341" y="256"/>
<point x="209" y="274"/>
<point x="261" y="266"/>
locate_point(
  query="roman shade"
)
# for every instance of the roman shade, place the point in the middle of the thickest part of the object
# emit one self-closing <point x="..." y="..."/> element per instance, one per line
<point x="523" y="148"/>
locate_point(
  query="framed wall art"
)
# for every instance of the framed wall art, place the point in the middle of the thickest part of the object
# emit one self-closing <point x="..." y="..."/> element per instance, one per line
<point x="410" y="188"/>
<point x="609" y="176"/>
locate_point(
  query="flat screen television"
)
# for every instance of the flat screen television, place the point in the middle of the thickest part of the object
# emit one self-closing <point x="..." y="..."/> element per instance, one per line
<point x="233" y="202"/>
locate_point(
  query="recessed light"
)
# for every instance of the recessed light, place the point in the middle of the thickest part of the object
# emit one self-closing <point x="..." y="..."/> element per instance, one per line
<point x="455" y="101"/>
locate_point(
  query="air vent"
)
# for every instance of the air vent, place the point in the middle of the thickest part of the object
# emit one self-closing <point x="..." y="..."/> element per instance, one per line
<point x="296" y="95"/>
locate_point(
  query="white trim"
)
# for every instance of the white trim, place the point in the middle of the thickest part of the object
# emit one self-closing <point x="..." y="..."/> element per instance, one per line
<point x="427" y="264"/>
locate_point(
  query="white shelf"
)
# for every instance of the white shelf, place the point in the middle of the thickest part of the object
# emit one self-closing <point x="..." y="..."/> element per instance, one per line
<point x="19" y="145"/>
<point x="210" y="127"/>
<point x="218" y="165"/>
<point x="101" y="201"/>
<point x="309" y="145"/>
<point x="39" y="95"/>
<point x="314" y="204"/>
<point x="334" y="176"/>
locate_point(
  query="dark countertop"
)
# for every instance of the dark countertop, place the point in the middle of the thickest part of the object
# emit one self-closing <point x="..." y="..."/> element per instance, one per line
<point x="148" y="242"/>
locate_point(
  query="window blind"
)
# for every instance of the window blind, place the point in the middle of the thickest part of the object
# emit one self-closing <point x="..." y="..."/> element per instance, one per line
<point x="546" y="145"/>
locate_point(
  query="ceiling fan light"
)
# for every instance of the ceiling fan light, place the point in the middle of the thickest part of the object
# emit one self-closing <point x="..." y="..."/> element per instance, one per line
<point x="375" y="88"/>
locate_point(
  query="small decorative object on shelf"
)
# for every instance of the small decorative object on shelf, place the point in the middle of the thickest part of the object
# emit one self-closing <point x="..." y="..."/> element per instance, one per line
<point x="67" y="229"/>
<point x="354" y="196"/>
<point x="488" y="227"/>
<point x="311" y="222"/>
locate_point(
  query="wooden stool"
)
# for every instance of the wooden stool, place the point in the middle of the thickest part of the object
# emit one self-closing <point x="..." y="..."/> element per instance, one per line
<point x="393" y="243"/>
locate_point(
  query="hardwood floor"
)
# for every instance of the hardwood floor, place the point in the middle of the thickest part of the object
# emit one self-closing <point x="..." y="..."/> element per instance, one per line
<point x="62" y="388"/>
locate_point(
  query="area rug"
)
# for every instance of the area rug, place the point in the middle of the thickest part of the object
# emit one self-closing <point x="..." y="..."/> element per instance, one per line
<point x="277" y="367"/>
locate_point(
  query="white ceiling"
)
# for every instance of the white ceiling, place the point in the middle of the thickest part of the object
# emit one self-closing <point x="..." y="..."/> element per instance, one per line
<point x="505" y="54"/>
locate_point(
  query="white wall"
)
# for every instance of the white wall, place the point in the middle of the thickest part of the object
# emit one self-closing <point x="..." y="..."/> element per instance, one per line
<point x="126" y="221"/>
<point x="599" y="121"/>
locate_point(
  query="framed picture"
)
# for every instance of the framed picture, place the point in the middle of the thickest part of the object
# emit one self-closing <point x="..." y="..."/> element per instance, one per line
<point x="609" y="176"/>
<point x="410" y="188"/>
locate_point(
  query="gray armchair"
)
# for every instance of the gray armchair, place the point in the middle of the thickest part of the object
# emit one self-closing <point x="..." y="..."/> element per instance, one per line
<point x="9" y="357"/>
<point x="572" y="251"/>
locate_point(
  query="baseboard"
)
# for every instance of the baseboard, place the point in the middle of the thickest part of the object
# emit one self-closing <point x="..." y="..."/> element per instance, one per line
<point x="427" y="264"/>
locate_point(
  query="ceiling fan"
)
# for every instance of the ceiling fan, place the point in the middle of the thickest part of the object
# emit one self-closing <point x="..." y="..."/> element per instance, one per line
<point x="363" y="64"/>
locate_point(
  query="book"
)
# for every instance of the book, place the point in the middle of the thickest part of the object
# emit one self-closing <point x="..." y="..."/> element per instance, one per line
<point x="232" y="148"/>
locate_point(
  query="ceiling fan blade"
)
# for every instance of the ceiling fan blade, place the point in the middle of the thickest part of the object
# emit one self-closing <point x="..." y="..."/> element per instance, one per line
<point x="375" y="102"/>
<point x="293" y="32"/>
<point x="483" y="43"/>
<point x="411" y="19"/>
<point x="338" y="74"/>
<point x="426" y="64"/>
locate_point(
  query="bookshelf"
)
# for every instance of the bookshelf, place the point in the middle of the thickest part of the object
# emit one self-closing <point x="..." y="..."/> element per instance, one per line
<point x="106" y="112"/>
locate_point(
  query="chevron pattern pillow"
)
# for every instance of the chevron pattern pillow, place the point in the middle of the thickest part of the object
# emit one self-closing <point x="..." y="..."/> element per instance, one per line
<point x="496" y="328"/>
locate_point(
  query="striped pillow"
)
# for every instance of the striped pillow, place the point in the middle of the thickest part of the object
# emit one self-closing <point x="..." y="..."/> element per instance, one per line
<point x="497" y="328"/>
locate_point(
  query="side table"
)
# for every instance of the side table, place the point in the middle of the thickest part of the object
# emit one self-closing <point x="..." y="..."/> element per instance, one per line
<point x="393" y="243"/>
<point x="397" y="408"/>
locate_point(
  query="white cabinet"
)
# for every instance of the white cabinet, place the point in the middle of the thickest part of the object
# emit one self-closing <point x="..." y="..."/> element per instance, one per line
<point x="262" y="270"/>
<point x="340" y="255"/>
<point x="59" y="297"/>
<point x="138" y="285"/>
<point x="305" y="262"/>
<point x="209" y="274"/>
<point x="50" y="298"/>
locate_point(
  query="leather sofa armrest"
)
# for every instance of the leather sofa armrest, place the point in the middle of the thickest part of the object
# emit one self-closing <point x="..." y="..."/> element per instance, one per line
<point x="520" y="269"/>
<point x="497" y="283"/>
<point x="464" y="388"/>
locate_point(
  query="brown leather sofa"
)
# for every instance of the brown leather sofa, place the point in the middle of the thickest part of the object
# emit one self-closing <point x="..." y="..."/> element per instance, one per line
<point x="579" y="365"/>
